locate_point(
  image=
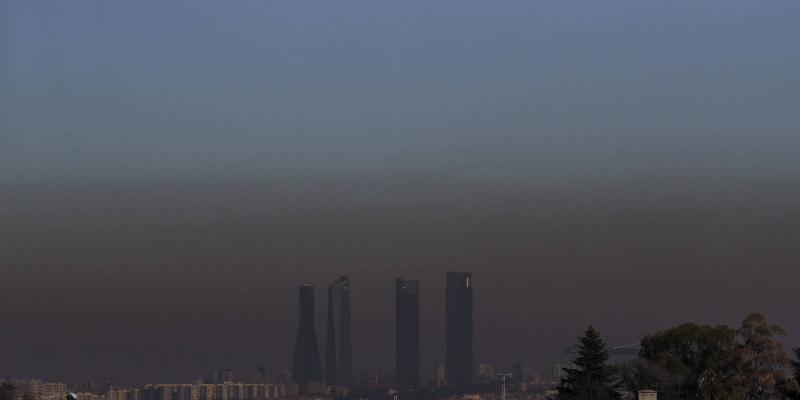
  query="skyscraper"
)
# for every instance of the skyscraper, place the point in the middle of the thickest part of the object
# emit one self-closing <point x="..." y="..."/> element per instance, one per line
<point x="338" y="358"/>
<point x="222" y="376"/>
<point x="525" y="372"/>
<point x="440" y="377"/>
<point x="486" y="373"/>
<point x="407" y="333"/>
<point x="306" y="366"/>
<point x="458" y="335"/>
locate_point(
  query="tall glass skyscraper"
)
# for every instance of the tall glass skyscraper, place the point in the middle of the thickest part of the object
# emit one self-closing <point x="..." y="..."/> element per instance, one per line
<point x="338" y="358"/>
<point x="458" y="335"/>
<point x="306" y="367"/>
<point x="407" y="333"/>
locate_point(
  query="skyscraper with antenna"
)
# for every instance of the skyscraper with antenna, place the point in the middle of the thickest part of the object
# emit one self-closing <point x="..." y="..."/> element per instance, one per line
<point x="459" y="328"/>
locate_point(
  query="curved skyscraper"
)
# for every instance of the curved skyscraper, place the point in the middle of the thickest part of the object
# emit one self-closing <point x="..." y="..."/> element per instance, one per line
<point x="306" y="366"/>
<point x="458" y="335"/>
<point x="407" y="333"/>
<point x="338" y="355"/>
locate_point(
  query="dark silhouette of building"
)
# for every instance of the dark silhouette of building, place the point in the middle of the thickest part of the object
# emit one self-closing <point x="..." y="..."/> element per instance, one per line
<point x="407" y="333"/>
<point x="306" y="367"/>
<point x="458" y="335"/>
<point x="525" y="372"/>
<point x="338" y="358"/>
<point x="439" y="378"/>
<point x="222" y="376"/>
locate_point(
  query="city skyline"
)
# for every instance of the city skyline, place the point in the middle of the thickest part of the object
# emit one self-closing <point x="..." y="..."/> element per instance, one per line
<point x="170" y="172"/>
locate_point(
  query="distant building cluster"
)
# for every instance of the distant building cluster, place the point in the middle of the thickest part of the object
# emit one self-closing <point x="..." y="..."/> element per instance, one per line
<point x="457" y="378"/>
<point x="459" y="366"/>
<point x="214" y="391"/>
<point x="36" y="389"/>
<point x="523" y="387"/>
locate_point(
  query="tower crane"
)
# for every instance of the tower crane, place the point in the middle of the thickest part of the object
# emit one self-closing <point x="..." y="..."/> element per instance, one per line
<point x="624" y="350"/>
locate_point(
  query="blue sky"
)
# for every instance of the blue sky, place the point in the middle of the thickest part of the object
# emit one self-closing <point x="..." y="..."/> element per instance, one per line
<point x="506" y="89"/>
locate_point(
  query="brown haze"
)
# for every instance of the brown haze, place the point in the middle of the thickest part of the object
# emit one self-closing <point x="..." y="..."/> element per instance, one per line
<point x="167" y="280"/>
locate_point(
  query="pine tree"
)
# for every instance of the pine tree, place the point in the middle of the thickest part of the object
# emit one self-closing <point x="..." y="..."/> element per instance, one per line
<point x="592" y="378"/>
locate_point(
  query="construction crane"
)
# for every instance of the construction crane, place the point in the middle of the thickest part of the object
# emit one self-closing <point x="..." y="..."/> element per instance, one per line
<point x="625" y="350"/>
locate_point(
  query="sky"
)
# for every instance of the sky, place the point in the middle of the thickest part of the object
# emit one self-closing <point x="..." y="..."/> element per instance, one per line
<point x="170" y="172"/>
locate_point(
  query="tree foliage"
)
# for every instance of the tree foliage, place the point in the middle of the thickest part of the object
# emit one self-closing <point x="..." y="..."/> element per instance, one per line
<point x="764" y="359"/>
<point x="703" y="360"/>
<point x="592" y="378"/>
<point x="640" y="374"/>
<point x="792" y="389"/>
<point x="796" y="364"/>
<point x="7" y="391"/>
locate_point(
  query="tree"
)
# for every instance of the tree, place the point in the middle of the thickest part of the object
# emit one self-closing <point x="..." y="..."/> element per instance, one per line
<point x="764" y="358"/>
<point x="7" y="391"/>
<point x="593" y="378"/>
<point x="703" y="359"/>
<point x="640" y="374"/>
<point x="792" y="388"/>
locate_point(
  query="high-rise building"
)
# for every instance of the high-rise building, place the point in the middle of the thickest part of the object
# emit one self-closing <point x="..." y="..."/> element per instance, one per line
<point x="407" y="333"/>
<point x="338" y="358"/>
<point x="374" y="379"/>
<point x="118" y="394"/>
<point x="440" y="377"/>
<point x="526" y="372"/>
<point x="485" y="373"/>
<point x="458" y="335"/>
<point x="222" y="376"/>
<point x="88" y="396"/>
<point x="306" y="367"/>
<point x="38" y="390"/>
<point x="256" y="375"/>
